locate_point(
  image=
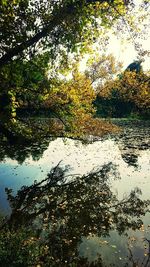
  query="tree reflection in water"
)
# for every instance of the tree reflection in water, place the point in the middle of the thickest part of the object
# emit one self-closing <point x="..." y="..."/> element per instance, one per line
<point x="133" y="139"/>
<point x="50" y="218"/>
<point x="21" y="151"/>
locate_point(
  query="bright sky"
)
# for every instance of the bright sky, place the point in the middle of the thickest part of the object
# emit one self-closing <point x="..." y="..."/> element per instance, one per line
<point x="126" y="52"/>
<point x="122" y="46"/>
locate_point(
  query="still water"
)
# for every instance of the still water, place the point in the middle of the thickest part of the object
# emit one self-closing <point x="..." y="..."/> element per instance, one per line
<point x="129" y="152"/>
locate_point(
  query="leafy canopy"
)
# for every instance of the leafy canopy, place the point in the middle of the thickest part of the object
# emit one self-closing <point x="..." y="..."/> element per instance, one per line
<point x="29" y="26"/>
<point x="34" y="34"/>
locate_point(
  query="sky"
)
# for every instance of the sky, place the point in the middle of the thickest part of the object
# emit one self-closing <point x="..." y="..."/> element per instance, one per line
<point x="126" y="52"/>
<point x="123" y="52"/>
<point x="122" y="45"/>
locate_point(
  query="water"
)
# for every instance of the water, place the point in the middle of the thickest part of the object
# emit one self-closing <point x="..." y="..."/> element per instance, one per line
<point x="129" y="152"/>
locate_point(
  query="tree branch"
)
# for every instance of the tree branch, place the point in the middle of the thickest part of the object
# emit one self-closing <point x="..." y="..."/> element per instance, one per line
<point x="66" y="12"/>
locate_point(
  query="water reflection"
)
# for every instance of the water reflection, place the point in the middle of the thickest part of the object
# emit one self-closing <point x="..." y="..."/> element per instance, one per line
<point x="131" y="159"/>
<point x="133" y="139"/>
<point x="20" y="152"/>
<point x="22" y="164"/>
<point x="63" y="210"/>
<point x="81" y="159"/>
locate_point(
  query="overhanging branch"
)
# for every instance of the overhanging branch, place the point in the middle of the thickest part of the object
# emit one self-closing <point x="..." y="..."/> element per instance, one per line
<point x="63" y="13"/>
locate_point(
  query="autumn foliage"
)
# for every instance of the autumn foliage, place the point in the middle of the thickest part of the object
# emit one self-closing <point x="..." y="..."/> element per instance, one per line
<point x="72" y="103"/>
<point x="129" y="87"/>
<point x="135" y="87"/>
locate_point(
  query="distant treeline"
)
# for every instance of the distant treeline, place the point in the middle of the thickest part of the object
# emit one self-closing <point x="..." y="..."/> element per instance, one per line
<point x="116" y="108"/>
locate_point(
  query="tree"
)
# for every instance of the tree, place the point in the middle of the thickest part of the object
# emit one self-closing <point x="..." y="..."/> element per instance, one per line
<point x="72" y="103"/>
<point x="33" y="34"/>
<point x="22" y="84"/>
<point x="130" y="89"/>
<point x="135" y="66"/>
<point x="102" y="68"/>
<point x="68" y="102"/>
<point x="50" y="24"/>
<point x="135" y="87"/>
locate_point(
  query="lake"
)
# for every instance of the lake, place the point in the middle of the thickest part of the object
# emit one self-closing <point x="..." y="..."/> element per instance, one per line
<point x="128" y="153"/>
